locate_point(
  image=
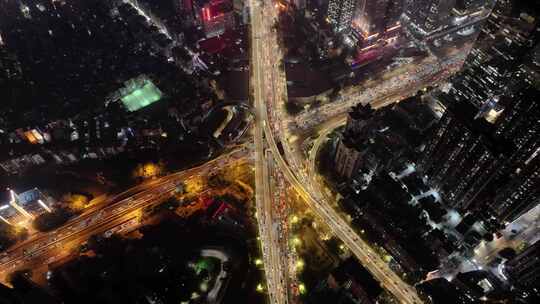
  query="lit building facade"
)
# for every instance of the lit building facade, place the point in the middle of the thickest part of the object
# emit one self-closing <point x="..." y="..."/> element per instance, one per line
<point x="458" y="159"/>
<point x="524" y="269"/>
<point x="368" y="144"/>
<point x="340" y="14"/>
<point x="447" y="26"/>
<point x="375" y="17"/>
<point x="489" y="166"/>
<point x="376" y="27"/>
<point x="24" y="206"/>
<point x="519" y="125"/>
<point x="348" y="158"/>
<point x="10" y="67"/>
<point x="353" y="152"/>
<point x="217" y="16"/>
<point x="430" y="17"/>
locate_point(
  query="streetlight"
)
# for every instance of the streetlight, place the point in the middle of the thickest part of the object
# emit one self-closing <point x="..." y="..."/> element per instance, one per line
<point x="299" y="265"/>
<point x="302" y="288"/>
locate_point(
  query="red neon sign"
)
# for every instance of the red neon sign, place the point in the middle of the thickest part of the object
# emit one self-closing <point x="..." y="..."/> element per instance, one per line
<point x="206" y="13"/>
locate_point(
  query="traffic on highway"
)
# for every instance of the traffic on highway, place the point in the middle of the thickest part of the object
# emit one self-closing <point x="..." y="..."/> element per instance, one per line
<point x="269" y="85"/>
<point x="49" y="247"/>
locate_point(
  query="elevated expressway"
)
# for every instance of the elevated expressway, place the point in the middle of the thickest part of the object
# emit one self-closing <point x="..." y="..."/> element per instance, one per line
<point x="48" y="248"/>
<point x="275" y="264"/>
<point x="269" y="89"/>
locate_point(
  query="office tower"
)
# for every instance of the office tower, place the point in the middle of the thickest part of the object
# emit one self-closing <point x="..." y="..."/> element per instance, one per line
<point x="340" y="14"/>
<point x="524" y="269"/>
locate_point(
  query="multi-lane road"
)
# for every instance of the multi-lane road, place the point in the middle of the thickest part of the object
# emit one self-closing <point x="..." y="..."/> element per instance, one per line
<point x="393" y="87"/>
<point x="274" y="260"/>
<point x="49" y="247"/>
<point x="268" y="83"/>
<point x="269" y="88"/>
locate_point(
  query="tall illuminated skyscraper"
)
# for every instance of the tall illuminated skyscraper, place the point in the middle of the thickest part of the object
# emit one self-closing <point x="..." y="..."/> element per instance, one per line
<point x="340" y="14"/>
<point x="367" y="16"/>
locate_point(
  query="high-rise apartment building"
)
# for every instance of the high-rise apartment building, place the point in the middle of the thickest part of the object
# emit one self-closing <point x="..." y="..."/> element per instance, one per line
<point x="497" y="62"/>
<point x="441" y="17"/>
<point x="340" y="14"/>
<point x="524" y="269"/>
<point x="519" y="125"/>
<point x="354" y="151"/>
<point x="500" y="80"/>
<point x="459" y="156"/>
<point x="374" y="139"/>
<point x="521" y="195"/>
<point x="10" y="67"/>
<point x="427" y="16"/>
<point x="488" y="166"/>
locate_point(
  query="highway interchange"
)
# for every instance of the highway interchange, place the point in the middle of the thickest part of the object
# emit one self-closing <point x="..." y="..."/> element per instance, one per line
<point x="274" y="170"/>
<point x="269" y="92"/>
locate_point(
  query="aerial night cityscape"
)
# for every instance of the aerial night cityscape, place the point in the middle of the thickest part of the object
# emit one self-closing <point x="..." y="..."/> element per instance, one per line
<point x="269" y="151"/>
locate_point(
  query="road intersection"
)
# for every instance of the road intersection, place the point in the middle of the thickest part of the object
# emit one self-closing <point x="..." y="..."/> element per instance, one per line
<point x="269" y="88"/>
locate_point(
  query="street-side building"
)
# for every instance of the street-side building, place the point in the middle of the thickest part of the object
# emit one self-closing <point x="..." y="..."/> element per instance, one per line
<point x="524" y="269"/>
